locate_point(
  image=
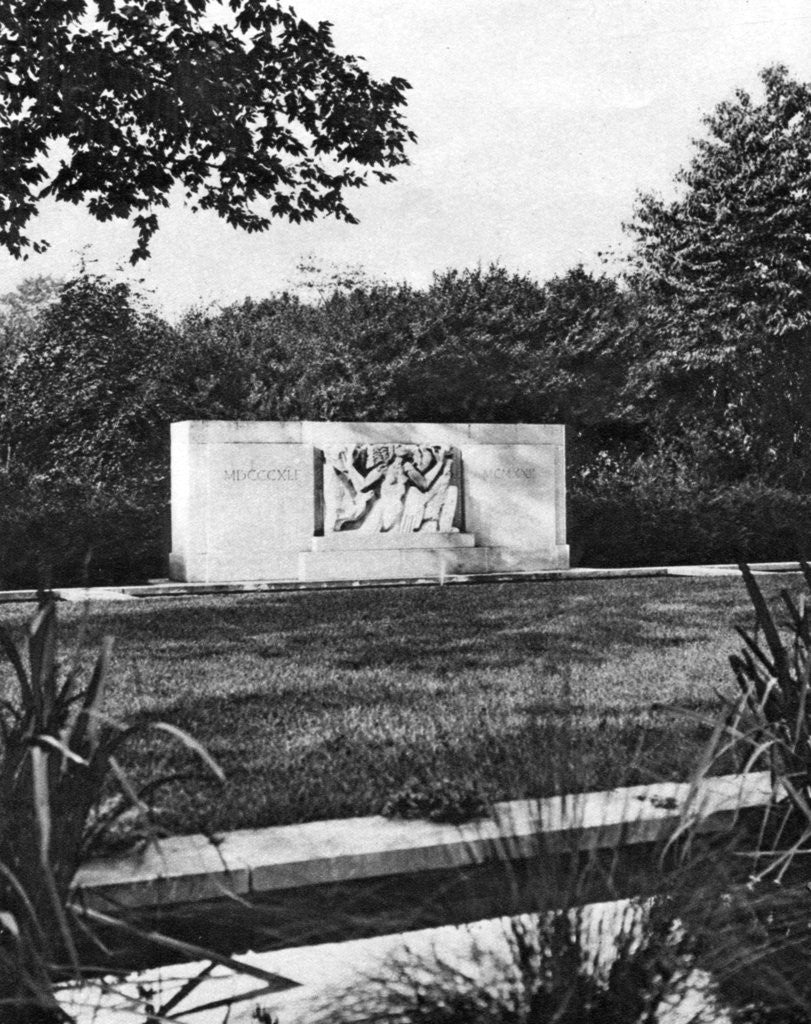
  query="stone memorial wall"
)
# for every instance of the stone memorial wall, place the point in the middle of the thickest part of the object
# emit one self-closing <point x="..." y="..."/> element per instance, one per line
<point x="343" y="501"/>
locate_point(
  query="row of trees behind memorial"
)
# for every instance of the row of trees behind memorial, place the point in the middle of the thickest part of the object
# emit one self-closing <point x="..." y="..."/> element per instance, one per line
<point x="685" y="381"/>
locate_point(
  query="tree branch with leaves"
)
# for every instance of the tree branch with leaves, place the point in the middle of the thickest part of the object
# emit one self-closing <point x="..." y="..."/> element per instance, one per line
<point x="241" y="106"/>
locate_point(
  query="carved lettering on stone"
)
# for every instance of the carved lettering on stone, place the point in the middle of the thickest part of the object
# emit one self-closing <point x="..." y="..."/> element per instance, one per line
<point x="510" y="473"/>
<point x="380" y="488"/>
<point x="273" y="475"/>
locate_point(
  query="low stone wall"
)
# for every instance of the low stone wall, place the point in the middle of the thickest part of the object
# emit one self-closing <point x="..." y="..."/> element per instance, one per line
<point x="187" y="869"/>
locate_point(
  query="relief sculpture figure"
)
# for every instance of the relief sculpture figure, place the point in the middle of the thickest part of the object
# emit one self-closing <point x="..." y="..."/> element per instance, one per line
<point x="387" y="511"/>
<point x="429" y="490"/>
<point x="389" y="488"/>
<point x="440" y="506"/>
<point x="345" y="499"/>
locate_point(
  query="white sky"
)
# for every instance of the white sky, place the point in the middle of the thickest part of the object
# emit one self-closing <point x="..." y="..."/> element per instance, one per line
<point x="538" y="121"/>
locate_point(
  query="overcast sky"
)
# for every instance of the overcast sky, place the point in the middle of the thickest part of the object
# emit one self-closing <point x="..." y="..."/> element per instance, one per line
<point x="538" y="121"/>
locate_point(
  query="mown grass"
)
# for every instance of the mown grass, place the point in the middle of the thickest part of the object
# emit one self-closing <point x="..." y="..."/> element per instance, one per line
<point x="323" y="704"/>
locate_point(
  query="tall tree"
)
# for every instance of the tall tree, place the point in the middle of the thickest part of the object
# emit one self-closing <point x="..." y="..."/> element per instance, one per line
<point x="19" y="309"/>
<point x="88" y="394"/>
<point x="84" y="437"/>
<point x="244" y="107"/>
<point x="726" y="271"/>
<point x="18" y="323"/>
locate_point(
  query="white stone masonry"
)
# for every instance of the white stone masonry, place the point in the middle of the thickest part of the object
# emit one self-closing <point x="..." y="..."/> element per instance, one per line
<point x="317" y="501"/>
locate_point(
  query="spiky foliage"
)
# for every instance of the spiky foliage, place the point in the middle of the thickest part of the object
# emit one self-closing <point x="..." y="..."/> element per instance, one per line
<point x="773" y="672"/>
<point x="57" y="753"/>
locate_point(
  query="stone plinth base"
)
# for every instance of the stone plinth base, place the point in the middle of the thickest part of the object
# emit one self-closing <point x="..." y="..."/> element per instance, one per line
<point x="355" y="540"/>
<point x="208" y="567"/>
<point x="409" y="562"/>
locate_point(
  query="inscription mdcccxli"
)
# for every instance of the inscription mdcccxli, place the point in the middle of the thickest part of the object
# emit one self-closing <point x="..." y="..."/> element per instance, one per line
<point x="510" y="473"/>
<point x="274" y="475"/>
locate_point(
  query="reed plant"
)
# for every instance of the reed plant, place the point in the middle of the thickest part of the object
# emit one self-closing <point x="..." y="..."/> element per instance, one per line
<point x="773" y="672"/>
<point x="769" y="724"/>
<point x="725" y="933"/>
<point x="62" y="787"/>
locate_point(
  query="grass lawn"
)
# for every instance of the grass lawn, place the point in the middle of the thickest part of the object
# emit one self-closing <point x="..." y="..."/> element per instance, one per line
<point x="323" y="704"/>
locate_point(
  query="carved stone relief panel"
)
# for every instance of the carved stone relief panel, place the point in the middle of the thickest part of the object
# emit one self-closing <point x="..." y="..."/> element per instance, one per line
<point x="382" y="488"/>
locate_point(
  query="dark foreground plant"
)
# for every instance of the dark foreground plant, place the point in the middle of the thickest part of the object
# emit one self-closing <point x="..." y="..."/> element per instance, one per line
<point x="756" y="930"/>
<point x="773" y="675"/>
<point x="753" y="924"/>
<point x="719" y="938"/>
<point x="582" y="952"/>
<point x="58" y="760"/>
<point x="709" y="945"/>
<point x="546" y="971"/>
<point x="441" y="799"/>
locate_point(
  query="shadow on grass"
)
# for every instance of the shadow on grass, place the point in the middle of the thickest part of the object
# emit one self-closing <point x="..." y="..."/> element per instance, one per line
<point x="323" y="704"/>
<point x="406" y="625"/>
<point x="286" y="763"/>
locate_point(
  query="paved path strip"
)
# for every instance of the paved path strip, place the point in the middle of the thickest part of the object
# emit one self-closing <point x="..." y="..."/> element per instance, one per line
<point x="363" y="970"/>
<point x="187" y="869"/>
<point x="170" y="589"/>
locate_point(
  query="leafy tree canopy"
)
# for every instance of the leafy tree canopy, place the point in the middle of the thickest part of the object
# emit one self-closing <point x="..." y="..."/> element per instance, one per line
<point x="243" y="106"/>
<point x="19" y="310"/>
<point x="726" y="272"/>
<point x="88" y="395"/>
<point x="737" y="241"/>
<point x="479" y="344"/>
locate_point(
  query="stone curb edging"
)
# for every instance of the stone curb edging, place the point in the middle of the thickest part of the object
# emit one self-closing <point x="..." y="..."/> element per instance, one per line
<point x="169" y="589"/>
<point x="250" y="862"/>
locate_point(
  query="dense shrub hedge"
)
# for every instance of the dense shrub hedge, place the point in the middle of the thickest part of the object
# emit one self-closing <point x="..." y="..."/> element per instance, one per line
<point x="91" y="378"/>
<point x="660" y="522"/>
<point x="67" y="532"/>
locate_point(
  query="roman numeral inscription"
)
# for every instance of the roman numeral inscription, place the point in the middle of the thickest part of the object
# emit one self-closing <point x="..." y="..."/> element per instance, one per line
<point x="286" y="474"/>
<point x="510" y="473"/>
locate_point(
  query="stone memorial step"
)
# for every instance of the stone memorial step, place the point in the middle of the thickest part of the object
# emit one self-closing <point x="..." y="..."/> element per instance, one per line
<point x="354" y="540"/>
